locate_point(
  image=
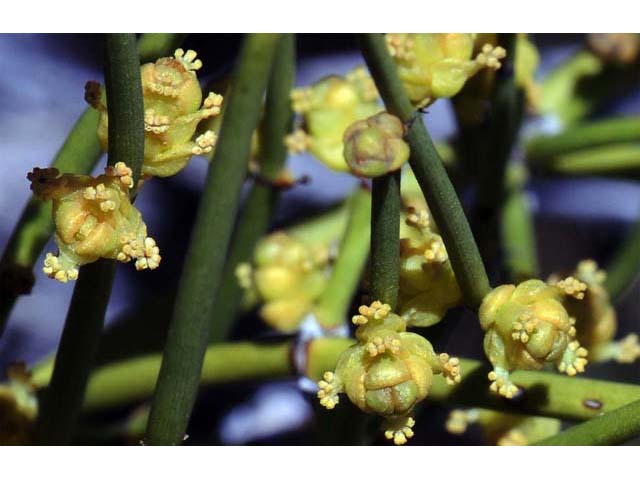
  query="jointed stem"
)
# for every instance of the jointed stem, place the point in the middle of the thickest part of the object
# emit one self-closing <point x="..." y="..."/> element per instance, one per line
<point x="384" y="273"/>
<point x="190" y="327"/>
<point x="612" y="428"/>
<point x="62" y="401"/>
<point x="430" y="173"/>
<point x="545" y="394"/>
<point x="258" y="208"/>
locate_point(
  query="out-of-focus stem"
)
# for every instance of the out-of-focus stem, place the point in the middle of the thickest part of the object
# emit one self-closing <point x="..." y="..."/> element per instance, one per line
<point x="612" y="428"/>
<point x="517" y="229"/>
<point x="619" y="158"/>
<point x="625" y="266"/>
<point x="79" y="154"/>
<point x="190" y="326"/>
<point x="62" y="402"/>
<point x="333" y="305"/>
<point x="430" y="173"/>
<point x="258" y="208"/>
<point x="585" y="135"/>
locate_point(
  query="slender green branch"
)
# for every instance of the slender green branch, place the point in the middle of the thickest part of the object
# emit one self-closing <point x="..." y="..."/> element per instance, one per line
<point x="625" y="266"/>
<point x="430" y="173"/>
<point x="586" y="135"/>
<point x="63" y="399"/>
<point x="258" y="208"/>
<point x="619" y="158"/>
<point x="517" y="229"/>
<point x="611" y="428"/>
<point x="333" y="305"/>
<point x="190" y="326"/>
<point x="79" y="154"/>
<point x="384" y="273"/>
<point x="546" y="394"/>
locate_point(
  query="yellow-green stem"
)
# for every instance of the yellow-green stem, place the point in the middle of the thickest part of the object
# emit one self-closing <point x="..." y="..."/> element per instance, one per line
<point x="333" y="305"/>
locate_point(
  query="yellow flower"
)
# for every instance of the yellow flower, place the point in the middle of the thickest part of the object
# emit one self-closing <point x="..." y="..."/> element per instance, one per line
<point x="428" y="286"/>
<point x="437" y="65"/>
<point x="596" y="319"/>
<point x="93" y="218"/>
<point x="173" y="108"/>
<point x="287" y="276"/>
<point x="329" y="107"/>
<point x="388" y="371"/>
<point x="527" y="326"/>
<point x="375" y="146"/>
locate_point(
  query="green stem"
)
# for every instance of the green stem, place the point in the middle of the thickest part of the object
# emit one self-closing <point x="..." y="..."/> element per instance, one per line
<point x="190" y="326"/>
<point x="259" y="206"/>
<point x="620" y="158"/>
<point x="586" y="135"/>
<point x="79" y="154"/>
<point x="611" y="428"/>
<point x="546" y="394"/>
<point x="430" y="173"/>
<point x="517" y="229"/>
<point x="333" y="306"/>
<point x="78" y="348"/>
<point x="624" y="267"/>
<point x="384" y="265"/>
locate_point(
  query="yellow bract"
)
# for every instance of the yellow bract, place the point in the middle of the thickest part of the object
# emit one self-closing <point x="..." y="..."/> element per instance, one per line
<point x="93" y="218"/>
<point x="375" y="146"/>
<point x="287" y="276"/>
<point x="329" y="107"/>
<point x="527" y="326"/>
<point x="437" y="65"/>
<point x="388" y="371"/>
<point x="173" y="108"/>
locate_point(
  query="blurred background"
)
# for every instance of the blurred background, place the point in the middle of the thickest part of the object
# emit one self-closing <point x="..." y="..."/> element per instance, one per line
<point x="42" y="81"/>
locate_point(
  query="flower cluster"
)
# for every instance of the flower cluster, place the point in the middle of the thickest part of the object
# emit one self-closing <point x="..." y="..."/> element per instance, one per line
<point x="328" y="108"/>
<point x="375" y="146"/>
<point x="287" y="276"/>
<point x="388" y="371"/>
<point x="437" y="65"/>
<point x="428" y="286"/>
<point x="94" y="218"/>
<point x="527" y="326"/>
<point x="596" y="320"/>
<point x="173" y="108"/>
